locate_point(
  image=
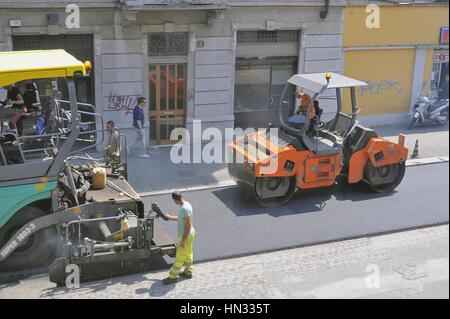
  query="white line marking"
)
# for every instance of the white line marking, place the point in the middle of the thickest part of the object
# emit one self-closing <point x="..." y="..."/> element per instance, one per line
<point x="426" y="161"/>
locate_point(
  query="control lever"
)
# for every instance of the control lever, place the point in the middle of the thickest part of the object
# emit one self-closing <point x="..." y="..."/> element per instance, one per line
<point x="123" y="219"/>
<point x="158" y="211"/>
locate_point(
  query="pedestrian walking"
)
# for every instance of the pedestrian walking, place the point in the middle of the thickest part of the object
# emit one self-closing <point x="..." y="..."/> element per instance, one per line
<point x="138" y="124"/>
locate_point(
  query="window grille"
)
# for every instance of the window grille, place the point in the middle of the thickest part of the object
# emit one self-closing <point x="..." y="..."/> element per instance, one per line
<point x="261" y="37"/>
<point x="168" y="44"/>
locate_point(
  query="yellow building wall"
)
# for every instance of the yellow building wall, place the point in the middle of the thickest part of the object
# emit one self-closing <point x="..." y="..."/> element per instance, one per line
<point x="399" y="25"/>
<point x="389" y="74"/>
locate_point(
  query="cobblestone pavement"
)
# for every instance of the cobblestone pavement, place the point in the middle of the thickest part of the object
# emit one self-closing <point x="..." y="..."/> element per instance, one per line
<point x="411" y="264"/>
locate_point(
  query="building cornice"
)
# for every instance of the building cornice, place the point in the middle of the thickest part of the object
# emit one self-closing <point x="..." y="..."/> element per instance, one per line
<point x="396" y="3"/>
<point x="288" y="3"/>
<point x="395" y="47"/>
<point x="15" y="4"/>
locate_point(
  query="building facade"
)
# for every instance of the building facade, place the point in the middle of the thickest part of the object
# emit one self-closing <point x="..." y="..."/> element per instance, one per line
<point x="221" y="62"/>
<point x="406" y="54"/>
<point x="225" y="62"/>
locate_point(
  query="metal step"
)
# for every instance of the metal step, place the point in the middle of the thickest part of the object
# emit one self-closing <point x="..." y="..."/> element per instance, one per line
<point x="163" y="241"/>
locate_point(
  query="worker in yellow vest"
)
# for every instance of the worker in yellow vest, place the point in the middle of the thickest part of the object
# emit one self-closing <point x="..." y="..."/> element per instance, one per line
<point x="186" y="235"/>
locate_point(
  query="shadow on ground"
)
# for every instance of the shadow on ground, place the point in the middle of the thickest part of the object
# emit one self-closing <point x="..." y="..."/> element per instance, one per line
<point x="157" y="289"/>
<point x="158" y="263"/>
<point x="242" y="203"/>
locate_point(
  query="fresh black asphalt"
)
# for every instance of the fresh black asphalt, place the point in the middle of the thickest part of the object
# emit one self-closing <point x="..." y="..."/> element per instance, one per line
<point x="230" y="224"/>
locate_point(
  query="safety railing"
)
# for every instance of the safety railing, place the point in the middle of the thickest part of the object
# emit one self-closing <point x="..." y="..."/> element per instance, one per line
<point x="28" y="147"/>
<point x="10" y="149"/>
<point x="123" y="156"/>
<point x="64" y="117"/>
<point x="40" y="147"/>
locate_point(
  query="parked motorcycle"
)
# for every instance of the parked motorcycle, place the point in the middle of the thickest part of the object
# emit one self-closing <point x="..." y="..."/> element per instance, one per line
<point x="429" y="112"/>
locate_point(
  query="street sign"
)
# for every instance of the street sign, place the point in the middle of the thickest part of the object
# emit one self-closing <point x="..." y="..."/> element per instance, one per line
<point x="15" y="23"/>
<point x="444" y="36"/>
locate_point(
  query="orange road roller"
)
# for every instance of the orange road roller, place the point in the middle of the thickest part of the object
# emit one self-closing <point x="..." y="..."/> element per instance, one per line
<point x="305" y="152"/>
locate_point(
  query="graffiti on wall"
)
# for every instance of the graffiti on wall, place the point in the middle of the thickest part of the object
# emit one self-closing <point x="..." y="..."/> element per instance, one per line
<point x="381" y="87"/>
<point x="122" y="102"/>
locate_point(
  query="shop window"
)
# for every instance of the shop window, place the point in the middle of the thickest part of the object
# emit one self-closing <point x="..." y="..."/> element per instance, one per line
<point x="252" y="87"/>
<point x="258" y="88"/>
<point x="280" y="74"/>
<point x="259" y="84"/>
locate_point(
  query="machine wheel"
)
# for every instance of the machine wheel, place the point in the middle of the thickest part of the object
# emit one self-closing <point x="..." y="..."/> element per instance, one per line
<point x="274" y="191"/>
<point x="36" y="250"/>
<point x="385" y="178"/>
<point x="445" y="113"/>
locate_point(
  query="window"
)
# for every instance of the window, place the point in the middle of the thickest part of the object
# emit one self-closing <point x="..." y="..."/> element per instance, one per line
<point x="252" y="87"/>
<point x="168" y="44"/>
<point x="259" y="84"/>
<point x="257" y="37"/>
<point x="438" y="72"/>
<point x="280" y="74"/>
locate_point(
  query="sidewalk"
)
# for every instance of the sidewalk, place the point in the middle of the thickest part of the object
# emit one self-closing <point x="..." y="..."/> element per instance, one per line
<point x="433" y="141"/>
<point x="411" y="264"/>
<point x="158" y="173"/>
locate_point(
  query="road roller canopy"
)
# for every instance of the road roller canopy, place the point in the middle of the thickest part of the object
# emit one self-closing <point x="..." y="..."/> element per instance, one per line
<point x="317" y="82"/>
<point x="17" y="66"/>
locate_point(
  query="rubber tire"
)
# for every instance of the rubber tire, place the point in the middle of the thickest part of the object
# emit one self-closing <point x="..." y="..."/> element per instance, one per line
<point x="38" y="252"/>
<point x="385" y="188"/>
<point x="446" y="117"/>
<point x="412" y="123"/>
<point x="278" y="201"/>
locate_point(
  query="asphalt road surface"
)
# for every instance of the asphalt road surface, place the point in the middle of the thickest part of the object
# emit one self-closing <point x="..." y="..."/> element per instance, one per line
<point x="229" y="224"/>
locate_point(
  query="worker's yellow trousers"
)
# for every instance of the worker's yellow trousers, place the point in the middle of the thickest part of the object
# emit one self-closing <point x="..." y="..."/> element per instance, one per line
<point x="184" y="257"/>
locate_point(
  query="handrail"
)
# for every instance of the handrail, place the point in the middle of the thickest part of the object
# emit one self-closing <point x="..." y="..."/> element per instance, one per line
<point x="37" y="150"/>
<point x="63" y="118"/>
<point x="124" y="164"/>
<point x="18" y="145"/>
<point x="38" y="136"/>
<point x="3" y="156"/>
<point x="78" y="103"/>
<point x="96" y="115"/>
